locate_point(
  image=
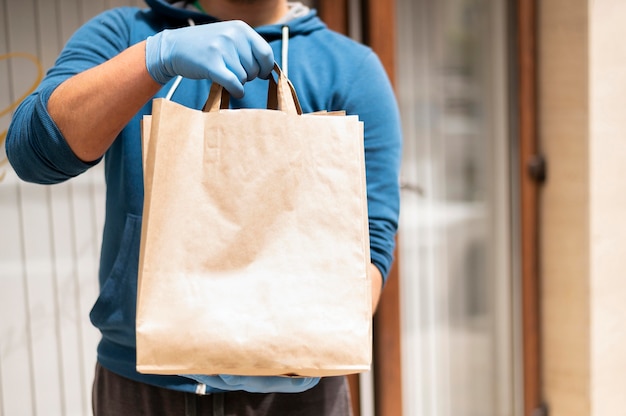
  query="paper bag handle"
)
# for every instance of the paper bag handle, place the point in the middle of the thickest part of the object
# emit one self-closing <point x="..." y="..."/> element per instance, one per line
<point x="281" y="95"/>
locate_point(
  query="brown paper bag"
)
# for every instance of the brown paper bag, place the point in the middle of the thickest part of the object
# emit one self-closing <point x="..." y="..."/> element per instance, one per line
<point x="255" y="249"/>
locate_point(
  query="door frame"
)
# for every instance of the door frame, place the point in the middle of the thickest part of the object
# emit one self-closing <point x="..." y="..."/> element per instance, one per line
<point x="531" y="175"/>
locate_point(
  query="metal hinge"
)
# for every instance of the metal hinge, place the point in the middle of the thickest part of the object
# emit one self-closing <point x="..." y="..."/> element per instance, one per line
<point x="537" y="168"/>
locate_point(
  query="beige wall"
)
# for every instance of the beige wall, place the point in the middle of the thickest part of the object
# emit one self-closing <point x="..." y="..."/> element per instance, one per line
<point x="564" y="125"/>
<point x="582" y="95"/>
<point x="608" y="205"/>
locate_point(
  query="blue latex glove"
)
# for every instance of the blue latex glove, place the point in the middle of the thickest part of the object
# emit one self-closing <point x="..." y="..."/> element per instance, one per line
<point x="257" y="384"/>
<point x="229" y="53"/>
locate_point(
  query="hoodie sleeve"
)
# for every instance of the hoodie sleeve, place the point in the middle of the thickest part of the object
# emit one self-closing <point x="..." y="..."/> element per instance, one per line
<point x="371" y="96"/>
<point x="35" y="147"/>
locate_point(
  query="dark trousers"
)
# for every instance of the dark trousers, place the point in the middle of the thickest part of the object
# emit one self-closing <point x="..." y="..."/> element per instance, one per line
<point x="114" y="395"/>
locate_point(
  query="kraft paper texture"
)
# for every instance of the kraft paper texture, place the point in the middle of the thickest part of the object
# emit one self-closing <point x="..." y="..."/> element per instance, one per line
<point x="255" y="249"/>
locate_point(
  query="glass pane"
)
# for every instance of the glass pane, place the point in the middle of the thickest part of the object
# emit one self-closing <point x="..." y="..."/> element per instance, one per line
<point x="455" y="228"/>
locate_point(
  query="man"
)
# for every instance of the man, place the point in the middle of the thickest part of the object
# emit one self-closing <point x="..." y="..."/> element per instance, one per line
<point x="89" y="105"/>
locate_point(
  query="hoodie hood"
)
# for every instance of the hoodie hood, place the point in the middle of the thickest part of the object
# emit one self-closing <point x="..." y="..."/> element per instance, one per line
<point x="298" y="26"/>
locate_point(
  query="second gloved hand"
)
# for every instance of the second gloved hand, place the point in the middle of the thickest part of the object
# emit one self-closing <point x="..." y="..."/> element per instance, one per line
<point x="229" y="53"/>
<point x="257" y="384"/>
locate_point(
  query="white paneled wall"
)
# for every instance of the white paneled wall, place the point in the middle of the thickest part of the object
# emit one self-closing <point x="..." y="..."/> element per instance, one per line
<point x="49" y="235"/>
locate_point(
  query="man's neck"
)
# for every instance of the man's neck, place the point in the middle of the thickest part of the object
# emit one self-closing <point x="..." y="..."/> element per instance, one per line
<point x="254" y="12"/>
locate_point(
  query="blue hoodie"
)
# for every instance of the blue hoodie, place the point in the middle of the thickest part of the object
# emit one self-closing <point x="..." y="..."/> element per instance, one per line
<point x="329" y="72"/>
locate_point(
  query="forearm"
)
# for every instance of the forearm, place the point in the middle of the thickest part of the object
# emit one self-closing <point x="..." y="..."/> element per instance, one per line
<point x="91" y="108"/>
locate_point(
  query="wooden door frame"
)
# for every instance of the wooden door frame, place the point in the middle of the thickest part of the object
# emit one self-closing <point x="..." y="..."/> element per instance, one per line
<point x="531" y="176"/>
<point x="378" y="17"/>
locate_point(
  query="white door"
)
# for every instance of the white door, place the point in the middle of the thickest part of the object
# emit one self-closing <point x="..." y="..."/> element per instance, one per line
<point x="460" y="331"/>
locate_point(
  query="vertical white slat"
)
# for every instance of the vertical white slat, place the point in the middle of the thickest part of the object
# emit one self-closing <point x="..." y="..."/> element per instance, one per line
<point x="68" y="318"/>
<point x="5" y="96"/>
<point x="507" y="320"/>
<point x="98" y="195"/>
<point x="42" y="300"/>
<point x="15" y="353"/>
<point x="366" y="391"/>
<point x="71" y="315"/>
<point x="47" y="32"/>
<point x="91" y="8"/>
<point x="35" y="239"/>
<point x="86" y="263"/>
<point x="69" y="13"/>
<point x="7" y="235"/>
<point x="412" y="20"/>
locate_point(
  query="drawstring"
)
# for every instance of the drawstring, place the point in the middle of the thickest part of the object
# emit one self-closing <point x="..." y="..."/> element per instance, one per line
<point x="178" y="79"/>
<point x="285" y="51"/>
<point x="173" y="87"/>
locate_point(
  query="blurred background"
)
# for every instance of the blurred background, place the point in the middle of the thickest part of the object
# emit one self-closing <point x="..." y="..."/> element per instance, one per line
<point x="506" y="298"/>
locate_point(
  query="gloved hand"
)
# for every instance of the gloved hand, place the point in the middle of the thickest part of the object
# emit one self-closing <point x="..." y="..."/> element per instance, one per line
<point x="229" y="53"/>
<point x="257" y="384"/>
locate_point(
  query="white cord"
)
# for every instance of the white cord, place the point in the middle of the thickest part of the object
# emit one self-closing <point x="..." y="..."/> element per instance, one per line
<point x="173" y="88"/>
<point x="179" y="78"/>
<point x="285" y="51"/>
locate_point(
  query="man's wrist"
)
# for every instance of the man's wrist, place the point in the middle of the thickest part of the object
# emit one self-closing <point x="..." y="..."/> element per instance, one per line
<point x="154" y="62"/>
